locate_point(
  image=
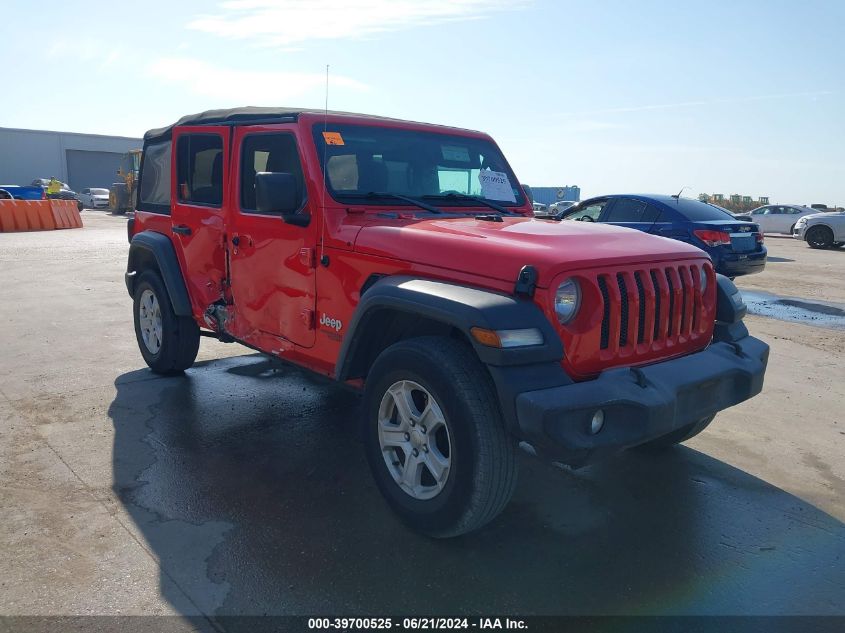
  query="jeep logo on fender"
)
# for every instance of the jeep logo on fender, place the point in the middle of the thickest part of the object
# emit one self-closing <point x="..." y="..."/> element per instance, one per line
<point x="334" y="324"/>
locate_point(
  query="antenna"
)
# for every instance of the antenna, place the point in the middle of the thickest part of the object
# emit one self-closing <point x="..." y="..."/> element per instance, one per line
<point x="323" y="260"/>
<point x="678" y="195"/>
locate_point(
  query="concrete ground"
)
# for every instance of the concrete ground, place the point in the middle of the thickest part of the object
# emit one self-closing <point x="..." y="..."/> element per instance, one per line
<point x="241" y="488"/>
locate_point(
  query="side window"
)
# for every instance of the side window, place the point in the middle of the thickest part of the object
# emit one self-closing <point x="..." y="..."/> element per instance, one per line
<point x="268" y="152"/>
<point x="588" y="213"/>
<point x="199" y="169"/>
<point x="626" y="210"/>
<point x="154" y="189"/>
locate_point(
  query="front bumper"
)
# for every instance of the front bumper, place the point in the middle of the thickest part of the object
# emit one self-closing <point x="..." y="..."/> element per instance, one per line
<point x="640" y="404"/>
<point x="798" y="231"/>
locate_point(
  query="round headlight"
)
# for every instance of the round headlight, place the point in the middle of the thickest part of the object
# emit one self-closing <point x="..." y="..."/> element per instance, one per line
<point x="703" y="273"/>
<point x="567" y="300"/>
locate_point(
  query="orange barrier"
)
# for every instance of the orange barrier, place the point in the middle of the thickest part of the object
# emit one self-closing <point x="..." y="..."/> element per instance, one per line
<point x="38" y="215"/>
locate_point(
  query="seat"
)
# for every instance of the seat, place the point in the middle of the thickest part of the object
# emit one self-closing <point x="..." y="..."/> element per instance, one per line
<point x="372" y="175"/>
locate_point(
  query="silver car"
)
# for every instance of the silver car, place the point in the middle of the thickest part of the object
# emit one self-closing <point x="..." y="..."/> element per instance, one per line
<point x="821" y="230"/>
<point x="779" y="218"/>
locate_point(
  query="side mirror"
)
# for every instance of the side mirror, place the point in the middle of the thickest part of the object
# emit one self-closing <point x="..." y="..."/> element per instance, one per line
<point x="528" y="193"/>
<point x="276" y="194"/>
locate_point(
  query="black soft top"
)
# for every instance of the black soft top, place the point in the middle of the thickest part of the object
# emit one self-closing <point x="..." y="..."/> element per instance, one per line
<point x="246" y="115"/>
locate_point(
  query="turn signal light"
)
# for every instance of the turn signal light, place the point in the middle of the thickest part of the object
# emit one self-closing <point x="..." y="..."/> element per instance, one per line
<point x="713" y="238"/>
<point x="507" y="338"/>
<point x="759" y="237"/>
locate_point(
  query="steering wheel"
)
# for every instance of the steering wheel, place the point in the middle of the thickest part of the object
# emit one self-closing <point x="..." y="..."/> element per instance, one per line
<point x="586" y="218"/>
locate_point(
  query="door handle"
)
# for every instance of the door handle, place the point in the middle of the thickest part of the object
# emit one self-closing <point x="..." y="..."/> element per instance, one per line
<point x="181" y="229"/>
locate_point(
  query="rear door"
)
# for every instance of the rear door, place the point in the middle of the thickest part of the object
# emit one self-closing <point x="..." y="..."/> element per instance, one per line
<point x="201" y="155"/>
<point x="273" y="263"/>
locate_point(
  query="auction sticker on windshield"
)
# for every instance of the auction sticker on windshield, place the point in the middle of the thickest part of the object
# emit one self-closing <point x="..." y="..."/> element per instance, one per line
<point x="496" y="186"/>
<point x="333" y="138"/>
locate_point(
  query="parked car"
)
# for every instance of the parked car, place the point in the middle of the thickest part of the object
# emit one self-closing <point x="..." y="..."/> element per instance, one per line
<point x="821" y="230"/>
<point x="539" y="207"/>
<point x="562" y="205"/>
<point x="736" y="247"/>
<point x="94" y="198"/>
<point x="66" y="192"/>
<point x="425" y="283"/>
<point x="779" y="218"/>
<point x="25" y="193"/>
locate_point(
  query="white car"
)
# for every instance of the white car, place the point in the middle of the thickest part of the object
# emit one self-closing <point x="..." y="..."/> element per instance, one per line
<point x="94" y="198"/>
<point x="562" y="205"/>
<point x="779" y="218"/>
<point x="539" y="207"/>
<point x="821" y="230"/>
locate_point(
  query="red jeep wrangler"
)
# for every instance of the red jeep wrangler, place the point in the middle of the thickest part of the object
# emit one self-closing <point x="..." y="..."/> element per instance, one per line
<point x="402" y="259"/>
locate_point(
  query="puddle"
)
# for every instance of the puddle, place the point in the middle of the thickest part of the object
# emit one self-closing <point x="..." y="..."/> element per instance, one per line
<point x="821" y="314"/>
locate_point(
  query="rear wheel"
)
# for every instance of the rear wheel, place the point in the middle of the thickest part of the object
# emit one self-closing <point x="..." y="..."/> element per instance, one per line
<point x="435" y="439"/>
<point x="169" y="343"/>
<point x="676" y="437"/>
<point x="820" y="237"/>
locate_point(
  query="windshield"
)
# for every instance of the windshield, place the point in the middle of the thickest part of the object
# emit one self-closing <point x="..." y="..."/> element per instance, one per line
<point x="364" y="159"/>
<point x="100" y="192"/>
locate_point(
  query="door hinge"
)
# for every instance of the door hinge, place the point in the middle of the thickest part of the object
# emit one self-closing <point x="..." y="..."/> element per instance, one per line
<point x="526" y="281"/>
<point x="307" y="257"/>
<point x="307" y="316"/>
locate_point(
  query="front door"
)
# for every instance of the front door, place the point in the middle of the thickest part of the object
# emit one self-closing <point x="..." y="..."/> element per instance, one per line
<point x="197" y="223"/>
<point x="272" y="262"/>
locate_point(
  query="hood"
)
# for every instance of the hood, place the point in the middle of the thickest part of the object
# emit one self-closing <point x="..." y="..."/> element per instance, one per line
<point x="822" y="214"/>
<point x="500" y="249"/>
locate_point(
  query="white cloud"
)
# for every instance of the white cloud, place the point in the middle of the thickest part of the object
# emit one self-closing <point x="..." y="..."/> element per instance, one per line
<point x="255" y="87"/>
<point x="285" y="22"/>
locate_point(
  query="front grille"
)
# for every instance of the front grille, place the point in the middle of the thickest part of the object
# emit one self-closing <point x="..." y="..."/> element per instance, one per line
<point x="648" y="309"/>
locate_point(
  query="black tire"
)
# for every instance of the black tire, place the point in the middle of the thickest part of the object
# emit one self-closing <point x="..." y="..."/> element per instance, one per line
<point x="676" y="437"/>
<point x="482" y="473"/>
<point x="180" y="336"/>
<point x="838" y="244"/>
<point x="79" y="206"/>
<point x="820" y="237"/>
<point x="118" y="198"/>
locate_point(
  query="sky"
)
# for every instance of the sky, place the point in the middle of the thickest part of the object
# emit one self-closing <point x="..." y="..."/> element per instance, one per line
<point x="739" y="96"/>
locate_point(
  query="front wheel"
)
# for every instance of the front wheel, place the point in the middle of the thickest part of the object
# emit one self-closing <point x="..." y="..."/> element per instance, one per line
<point x="820" y="237"/>
<point x="169" y="343"/>
<point x="435" y="439"/>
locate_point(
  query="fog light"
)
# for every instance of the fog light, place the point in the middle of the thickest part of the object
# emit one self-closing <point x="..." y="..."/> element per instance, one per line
<point x="597" y="422"/>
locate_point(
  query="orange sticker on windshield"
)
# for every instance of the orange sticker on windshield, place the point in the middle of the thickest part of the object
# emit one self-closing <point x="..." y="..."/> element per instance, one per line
<point x="333" y="138"/>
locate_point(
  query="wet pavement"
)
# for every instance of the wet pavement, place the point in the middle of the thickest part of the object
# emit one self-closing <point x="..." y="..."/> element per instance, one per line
<point x="794" y="309"/>
<point x="242" y="488"/>
<point x="248" y="481"/>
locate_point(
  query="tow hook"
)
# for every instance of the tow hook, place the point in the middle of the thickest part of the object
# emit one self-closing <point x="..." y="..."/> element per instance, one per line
<point x="639" y="377"/>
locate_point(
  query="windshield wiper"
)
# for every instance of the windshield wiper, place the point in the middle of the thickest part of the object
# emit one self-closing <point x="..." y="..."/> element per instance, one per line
<point x="396" y="196"/>
<point x="483" y="201"/>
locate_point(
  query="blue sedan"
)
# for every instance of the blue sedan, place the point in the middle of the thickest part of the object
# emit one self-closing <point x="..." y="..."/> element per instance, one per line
<point x="736" y="247"/>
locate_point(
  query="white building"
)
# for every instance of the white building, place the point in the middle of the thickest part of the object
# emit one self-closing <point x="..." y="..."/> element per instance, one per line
<point x="81" y="160"/>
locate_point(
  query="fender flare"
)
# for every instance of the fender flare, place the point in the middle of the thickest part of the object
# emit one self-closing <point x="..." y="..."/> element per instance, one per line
<point x="149" y="244"/>
<point x="461" y="307"/>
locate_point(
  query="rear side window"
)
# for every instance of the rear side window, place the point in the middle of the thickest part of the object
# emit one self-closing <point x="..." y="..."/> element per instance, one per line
<point x="629" y="210"/>
<point x="154" y="189"/>
<point x="697" y="211"/>
<point x="199" y="169"/>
